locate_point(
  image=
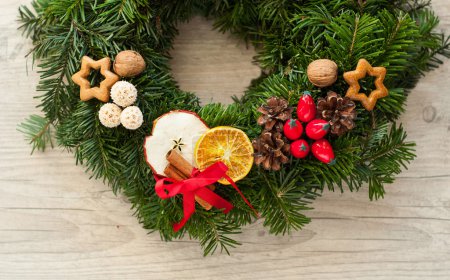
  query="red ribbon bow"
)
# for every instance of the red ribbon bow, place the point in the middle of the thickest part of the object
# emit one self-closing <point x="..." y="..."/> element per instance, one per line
<point x="196" y="186"/>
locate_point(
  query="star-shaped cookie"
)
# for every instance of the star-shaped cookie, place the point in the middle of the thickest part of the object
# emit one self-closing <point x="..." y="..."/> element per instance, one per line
<point x="352" y="78"/>
<point x="81" y="78"/>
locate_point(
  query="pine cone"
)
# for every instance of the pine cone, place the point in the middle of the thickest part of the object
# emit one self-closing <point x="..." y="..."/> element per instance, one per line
<point x="271" y="150"/>
<point x="339" y="111"/>
<point x="274" y="114"/>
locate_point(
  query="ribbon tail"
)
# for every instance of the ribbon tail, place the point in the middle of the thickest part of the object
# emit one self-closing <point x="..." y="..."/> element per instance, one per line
<point x="241" y="194"/>
<point x="179" y="225"/>
<point x="188" y="210"/>
<point x="214" y="199"/>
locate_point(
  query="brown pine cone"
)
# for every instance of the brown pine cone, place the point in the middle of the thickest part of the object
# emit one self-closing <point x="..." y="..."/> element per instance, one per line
<point x="271" y="150"/>
<point x="339" y="111"/>
<point x="274" y="114"/>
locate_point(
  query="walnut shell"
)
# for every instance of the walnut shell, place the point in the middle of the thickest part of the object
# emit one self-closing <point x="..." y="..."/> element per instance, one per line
<point x="129" y="64"/>
<point x="322" y="72"/>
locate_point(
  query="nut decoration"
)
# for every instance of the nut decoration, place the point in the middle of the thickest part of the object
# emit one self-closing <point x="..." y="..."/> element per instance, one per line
<point x="81" y="78"/>
<point x="129" y="64"/>
<point x="322" y="72"/>
<point x="362" y="69"/>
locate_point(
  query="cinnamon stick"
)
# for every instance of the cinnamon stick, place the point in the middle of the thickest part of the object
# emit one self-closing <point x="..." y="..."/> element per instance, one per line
<point x="178" y="161"/>
<point x="173" y="173"/>
<point x="180" y="169"/>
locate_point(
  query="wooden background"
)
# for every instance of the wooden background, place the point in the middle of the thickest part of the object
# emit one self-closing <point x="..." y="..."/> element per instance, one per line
<point x="55" y="223"/>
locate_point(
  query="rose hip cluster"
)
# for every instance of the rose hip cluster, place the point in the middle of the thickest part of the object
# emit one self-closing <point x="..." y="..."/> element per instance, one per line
<point x="315" y="129"/>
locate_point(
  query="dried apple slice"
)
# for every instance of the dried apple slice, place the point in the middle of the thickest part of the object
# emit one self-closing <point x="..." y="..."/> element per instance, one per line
<point x="178" y="130"/>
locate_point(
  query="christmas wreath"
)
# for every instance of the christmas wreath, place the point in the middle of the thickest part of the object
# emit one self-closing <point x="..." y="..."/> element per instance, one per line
<point x="321" y="116"/>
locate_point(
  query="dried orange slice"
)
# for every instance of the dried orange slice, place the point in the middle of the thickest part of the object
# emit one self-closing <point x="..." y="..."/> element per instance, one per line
<point x="229" y="145"/>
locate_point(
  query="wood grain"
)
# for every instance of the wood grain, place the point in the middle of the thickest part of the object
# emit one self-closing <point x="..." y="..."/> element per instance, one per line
<point x="214" y="65"/>
<point x="55" y="223"/>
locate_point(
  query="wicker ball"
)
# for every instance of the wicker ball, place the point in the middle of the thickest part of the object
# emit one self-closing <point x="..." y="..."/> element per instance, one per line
<point x="123" y="93"/>
<point x="109" y="115"/>
<point x="131" y="117"/>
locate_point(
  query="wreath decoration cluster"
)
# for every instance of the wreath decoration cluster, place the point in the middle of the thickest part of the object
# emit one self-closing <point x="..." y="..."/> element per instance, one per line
<point x="304" y="47"/>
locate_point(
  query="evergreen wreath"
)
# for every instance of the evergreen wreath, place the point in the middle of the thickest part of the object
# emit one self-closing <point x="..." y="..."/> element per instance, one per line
<point x="370" y="150"/>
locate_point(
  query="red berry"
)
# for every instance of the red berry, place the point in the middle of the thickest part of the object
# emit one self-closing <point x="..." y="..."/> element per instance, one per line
<point x="323" y="151"/>
<point x="306" y="109"/>
<point x="317" y="129"/>
<point x="299" y="148"/>
<point x="293" y="129"/>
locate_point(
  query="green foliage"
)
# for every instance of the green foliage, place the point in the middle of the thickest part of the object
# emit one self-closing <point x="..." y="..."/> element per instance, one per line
<point x="37" y="132"/>
<point x="399" y="35"/>
<point x="213" y="232"/>
<point x="385" y="154"/>
<point x="285" y="198"/>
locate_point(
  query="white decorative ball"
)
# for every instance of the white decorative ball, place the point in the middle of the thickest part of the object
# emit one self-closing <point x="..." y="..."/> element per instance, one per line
<point x="109" y="115"/>
<point x="131" y="117"/>
<point x="123" y="93"/>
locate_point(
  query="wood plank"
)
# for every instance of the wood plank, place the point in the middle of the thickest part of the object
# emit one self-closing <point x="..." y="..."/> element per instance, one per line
<point x="214" y="65"/>
<point x="55" y="223"/>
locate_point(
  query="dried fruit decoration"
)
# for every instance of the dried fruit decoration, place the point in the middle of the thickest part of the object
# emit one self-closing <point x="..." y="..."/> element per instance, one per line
<point x="228" y="145"/>
<point x="174" y="130"/>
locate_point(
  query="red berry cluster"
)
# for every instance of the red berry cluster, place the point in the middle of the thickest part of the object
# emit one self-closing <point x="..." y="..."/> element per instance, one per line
<point x="316" y="129"/>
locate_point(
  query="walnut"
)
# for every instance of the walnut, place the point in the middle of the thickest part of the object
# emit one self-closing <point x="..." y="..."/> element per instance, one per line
<point x="322" y="72"/>
<point x="129" y="64"/>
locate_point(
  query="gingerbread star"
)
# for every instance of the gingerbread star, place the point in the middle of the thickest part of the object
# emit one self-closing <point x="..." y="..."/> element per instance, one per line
<point x="81" y="78"/>
<point x="362" y="69"/>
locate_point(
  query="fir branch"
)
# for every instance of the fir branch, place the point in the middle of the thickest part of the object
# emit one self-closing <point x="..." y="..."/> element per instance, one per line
<point x="37" y="132"/>
<point x="388" y="152"/>
<point x="283" y="199"/>
<point x="399" y="35"/>
<point x="215" y="235"/>
<point x="351" y="37"/>
<point x="218" y="114"/>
